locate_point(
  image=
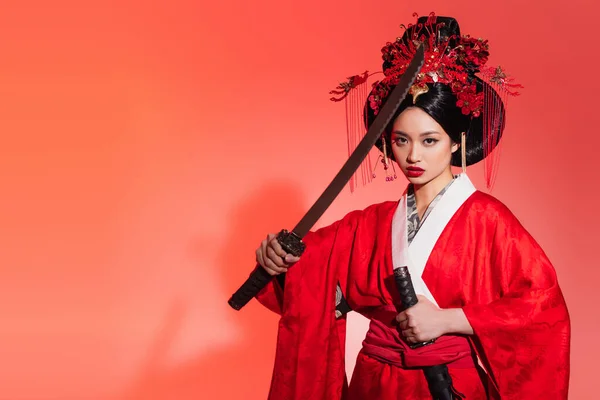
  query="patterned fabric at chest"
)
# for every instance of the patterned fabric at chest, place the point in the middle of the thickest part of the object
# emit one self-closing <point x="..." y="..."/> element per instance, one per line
<point x="413" y="223"/>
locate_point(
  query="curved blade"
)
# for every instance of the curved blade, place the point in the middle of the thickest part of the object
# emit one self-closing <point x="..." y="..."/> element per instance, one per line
<point x="356" y="158"/>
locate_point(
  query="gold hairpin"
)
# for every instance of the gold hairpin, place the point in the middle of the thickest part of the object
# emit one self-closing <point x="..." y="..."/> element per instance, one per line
<point x="417" y="90"/>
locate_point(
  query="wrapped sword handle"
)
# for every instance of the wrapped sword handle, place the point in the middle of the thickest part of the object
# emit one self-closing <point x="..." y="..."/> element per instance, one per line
<point x="408" y="296"/>
<point x="292" y="244"/>
<point x="437" y="376"/>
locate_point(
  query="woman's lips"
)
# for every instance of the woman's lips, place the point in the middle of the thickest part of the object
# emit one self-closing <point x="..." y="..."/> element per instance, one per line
<point x="414" y="172"/>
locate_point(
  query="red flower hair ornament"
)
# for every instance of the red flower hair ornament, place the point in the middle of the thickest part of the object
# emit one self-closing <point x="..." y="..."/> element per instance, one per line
<point x="458" y="61"/>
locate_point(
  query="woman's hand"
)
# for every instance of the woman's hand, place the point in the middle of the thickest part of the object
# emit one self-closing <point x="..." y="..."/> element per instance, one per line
<point x="425" y="321"/>
<point x="272" y="257"/>
<point x="422" y="322"/>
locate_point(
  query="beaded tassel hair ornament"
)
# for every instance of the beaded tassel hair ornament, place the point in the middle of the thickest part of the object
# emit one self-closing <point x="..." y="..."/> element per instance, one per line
<point x="354" y="93"/>
<point x="458" y="61"/>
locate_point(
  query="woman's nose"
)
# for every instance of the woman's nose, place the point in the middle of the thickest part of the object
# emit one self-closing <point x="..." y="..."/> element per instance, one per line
<point x="413" y="154"/>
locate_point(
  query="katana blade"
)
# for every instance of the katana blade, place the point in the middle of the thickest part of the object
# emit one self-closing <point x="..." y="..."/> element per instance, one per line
<point x="364" y="146"/>
<point x="292" y="241"/>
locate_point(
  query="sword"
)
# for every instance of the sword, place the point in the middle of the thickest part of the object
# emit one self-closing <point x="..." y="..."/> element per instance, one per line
<point x="437" y="376"/>
<point x="291" y="242"/>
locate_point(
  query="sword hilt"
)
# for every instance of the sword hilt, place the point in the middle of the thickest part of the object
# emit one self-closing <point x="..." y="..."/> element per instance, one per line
<point x="259" y="278"/>
<point x="437" y="376"/>
<point x="407" y="296"/>
<point x="291" y="243"/>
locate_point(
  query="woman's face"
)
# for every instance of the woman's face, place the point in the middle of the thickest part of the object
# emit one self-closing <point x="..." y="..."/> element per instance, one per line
<point x="421" y="146"/>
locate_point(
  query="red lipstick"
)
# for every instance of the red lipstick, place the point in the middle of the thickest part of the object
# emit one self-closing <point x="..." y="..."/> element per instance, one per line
<point x="414" y="172"/>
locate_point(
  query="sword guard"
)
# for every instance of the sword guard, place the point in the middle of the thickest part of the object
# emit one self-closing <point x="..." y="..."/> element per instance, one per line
<point x="291" y="243"/>
<point x="422" y="344"/>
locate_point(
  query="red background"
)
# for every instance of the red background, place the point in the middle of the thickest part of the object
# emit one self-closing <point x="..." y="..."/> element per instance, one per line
<point x="148" y="147"/>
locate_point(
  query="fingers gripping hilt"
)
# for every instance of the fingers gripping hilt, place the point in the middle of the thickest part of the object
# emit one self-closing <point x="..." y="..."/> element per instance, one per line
<point x="292" y="244"/>
<point x="407" y="296"/>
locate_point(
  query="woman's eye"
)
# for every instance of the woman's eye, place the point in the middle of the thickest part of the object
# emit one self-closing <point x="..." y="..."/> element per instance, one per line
<point x="400" y="140"/>
<point x="430" y="141"/>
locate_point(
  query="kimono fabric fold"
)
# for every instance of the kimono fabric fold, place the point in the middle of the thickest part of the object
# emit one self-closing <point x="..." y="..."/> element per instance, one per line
<point x="484" y="262"/>
<point x="383" y="343"/>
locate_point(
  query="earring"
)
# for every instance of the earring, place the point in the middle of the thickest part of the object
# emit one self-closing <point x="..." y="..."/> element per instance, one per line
<point x="463" y="151"/>
<point x="389" y="176"/>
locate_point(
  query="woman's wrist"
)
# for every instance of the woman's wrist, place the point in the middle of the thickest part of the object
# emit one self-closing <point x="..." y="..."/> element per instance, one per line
<point x="455" y="321"/>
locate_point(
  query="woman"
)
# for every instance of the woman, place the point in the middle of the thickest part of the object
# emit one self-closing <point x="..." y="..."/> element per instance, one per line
<point x="487" y="292"/>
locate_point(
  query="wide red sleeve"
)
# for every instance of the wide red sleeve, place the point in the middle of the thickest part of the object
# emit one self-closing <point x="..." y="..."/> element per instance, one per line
<point x="309" y="358"/>
<point x="318" y="245"/>
<point x="310" y="353"/>
<point x="523" y="334"/>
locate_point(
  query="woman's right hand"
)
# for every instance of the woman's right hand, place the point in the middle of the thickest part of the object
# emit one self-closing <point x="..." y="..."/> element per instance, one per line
<point x="272" y="257"/>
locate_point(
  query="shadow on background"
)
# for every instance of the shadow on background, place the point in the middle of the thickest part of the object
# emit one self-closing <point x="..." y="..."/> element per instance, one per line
<point x="242" y="370"/>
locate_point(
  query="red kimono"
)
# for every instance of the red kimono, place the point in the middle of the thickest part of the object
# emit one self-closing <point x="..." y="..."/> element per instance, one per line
<point x="484" y="262"/>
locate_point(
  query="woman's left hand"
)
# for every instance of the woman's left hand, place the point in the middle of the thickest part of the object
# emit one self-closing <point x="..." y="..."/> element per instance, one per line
<point x="422" y="322"/>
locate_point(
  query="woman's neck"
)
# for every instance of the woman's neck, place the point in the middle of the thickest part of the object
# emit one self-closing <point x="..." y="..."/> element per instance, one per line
<point x="424" y="194"/>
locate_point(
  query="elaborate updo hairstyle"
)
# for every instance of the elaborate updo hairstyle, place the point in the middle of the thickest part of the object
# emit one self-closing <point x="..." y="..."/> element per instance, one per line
<point x="440" y="103"/>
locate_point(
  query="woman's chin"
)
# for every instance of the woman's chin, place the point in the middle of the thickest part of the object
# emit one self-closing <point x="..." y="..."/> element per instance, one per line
<point x="419" y="180"/>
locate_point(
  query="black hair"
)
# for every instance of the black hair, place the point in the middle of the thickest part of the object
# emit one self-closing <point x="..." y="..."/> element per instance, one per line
<point x="440" y="104"/>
